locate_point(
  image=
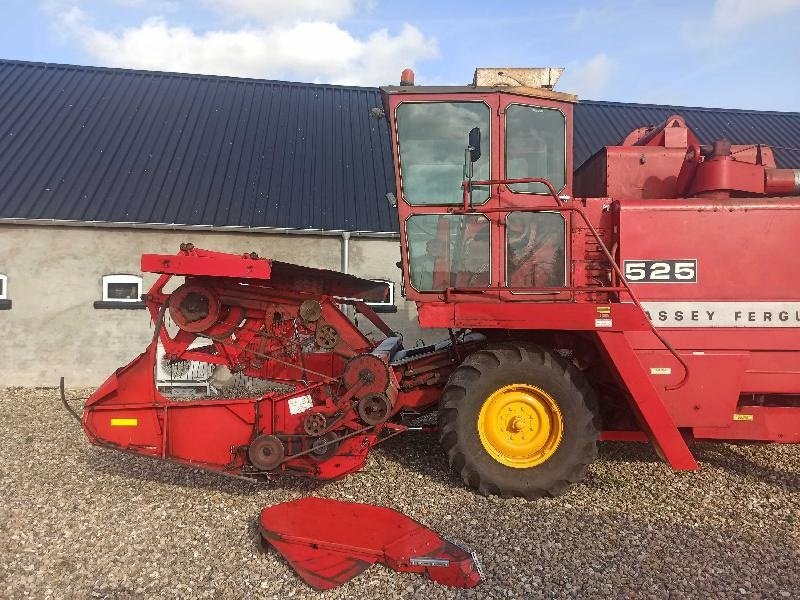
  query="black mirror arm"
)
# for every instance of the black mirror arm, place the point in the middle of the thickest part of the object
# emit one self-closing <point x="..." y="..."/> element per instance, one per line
<point x="469" y="171"/>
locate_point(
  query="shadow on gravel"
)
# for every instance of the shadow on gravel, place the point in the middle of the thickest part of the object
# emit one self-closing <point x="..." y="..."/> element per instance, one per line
<point x="143" y="468"/>
<point x="420" y="452"/>
<point x="254" y="535"/>
<point x="729" y="458"/>
<point x="627" y="452"/>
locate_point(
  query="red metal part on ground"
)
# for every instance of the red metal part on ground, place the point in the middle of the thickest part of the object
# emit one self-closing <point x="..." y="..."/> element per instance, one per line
<point x="328" y="542"/>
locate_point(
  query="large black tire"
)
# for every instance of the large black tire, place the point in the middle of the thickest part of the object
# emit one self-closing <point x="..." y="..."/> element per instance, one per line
<point x="492" y="368"/>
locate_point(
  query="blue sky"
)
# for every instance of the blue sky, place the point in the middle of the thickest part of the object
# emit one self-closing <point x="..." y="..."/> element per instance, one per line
<point x="721" y="53"/>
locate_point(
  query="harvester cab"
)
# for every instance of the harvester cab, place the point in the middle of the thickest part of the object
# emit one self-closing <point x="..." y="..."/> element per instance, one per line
<point x="625" y="302"/>
<point x="471" y="164"/>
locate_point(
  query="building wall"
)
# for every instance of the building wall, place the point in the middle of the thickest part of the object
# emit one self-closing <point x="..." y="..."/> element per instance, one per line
<point x="54" y="277"/>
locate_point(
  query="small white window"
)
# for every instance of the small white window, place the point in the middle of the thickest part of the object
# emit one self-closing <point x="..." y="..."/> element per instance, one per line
<point x="122" y="288"/>
<point x="3" y="287"/>
<point x="389" y="299"/>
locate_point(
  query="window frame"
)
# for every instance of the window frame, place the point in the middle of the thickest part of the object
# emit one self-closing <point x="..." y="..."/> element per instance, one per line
<point x="5" y="302"/>
<point x="505" y="147"/>
<point x="482" y="215"/>
<point x="488" y="154"/>
<point x="386" y="306"/>
<point x="121" y="278"/>
<point x="126" y="303"/>
<point x="507" y="287"/>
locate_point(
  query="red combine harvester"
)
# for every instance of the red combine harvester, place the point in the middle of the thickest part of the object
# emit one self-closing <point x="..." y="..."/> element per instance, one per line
<point x="652" y="298"/>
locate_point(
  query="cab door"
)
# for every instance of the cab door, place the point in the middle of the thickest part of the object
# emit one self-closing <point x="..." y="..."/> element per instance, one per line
<point x="447" y="254"/>
<point x="533" y="249"/>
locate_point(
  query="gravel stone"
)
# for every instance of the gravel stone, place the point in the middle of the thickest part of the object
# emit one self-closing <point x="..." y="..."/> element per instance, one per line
<point x="77" y="521"/>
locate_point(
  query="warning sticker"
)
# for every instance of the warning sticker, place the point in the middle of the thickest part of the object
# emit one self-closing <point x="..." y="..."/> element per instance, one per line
<point x="300" y="404"/>
<point x="660" y="371"/>
<point x="741" y="417"/>
<point x="603" y="323"/>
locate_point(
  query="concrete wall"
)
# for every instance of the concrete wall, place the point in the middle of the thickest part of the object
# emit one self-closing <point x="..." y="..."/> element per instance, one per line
<point x="54" y="277"/>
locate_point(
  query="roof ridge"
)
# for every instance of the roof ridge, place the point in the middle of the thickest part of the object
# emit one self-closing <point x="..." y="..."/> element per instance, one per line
<point x="680" y="107"/>
<point x="121" y="70"/>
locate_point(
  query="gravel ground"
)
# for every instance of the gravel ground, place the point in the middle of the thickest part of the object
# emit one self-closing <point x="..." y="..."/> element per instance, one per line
<point x="79" y="521"/>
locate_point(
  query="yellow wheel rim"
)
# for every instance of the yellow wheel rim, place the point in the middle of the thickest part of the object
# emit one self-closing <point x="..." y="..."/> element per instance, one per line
<point x="520" y="425"/>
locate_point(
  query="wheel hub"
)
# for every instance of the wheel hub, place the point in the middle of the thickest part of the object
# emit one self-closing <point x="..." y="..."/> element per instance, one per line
<point x="520" y="425"/>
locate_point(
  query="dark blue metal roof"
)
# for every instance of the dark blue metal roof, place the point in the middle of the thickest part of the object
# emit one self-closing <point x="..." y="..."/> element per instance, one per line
<point x="114" y="145"/>
<point x="90" y="144"/>
<point x="599" y="124"/>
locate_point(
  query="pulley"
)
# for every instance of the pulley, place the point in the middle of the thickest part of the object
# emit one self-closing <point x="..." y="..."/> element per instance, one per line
<point x="326" y="336"/>
<point x="194" y="308"/>
<point x="374" y="409"/>
<point x="368" y="372"/>
<point x="310" y="311"/>
<point x="266" y="452"/>
<point x="315" y="423"/>
<point x="324" y="447"/>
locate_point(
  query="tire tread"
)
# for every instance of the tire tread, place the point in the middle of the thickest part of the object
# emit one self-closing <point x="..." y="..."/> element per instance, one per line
<point x="496" y="356"/>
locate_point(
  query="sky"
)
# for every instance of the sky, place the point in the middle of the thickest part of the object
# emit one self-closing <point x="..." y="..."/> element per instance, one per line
<point x="715" y="53"/>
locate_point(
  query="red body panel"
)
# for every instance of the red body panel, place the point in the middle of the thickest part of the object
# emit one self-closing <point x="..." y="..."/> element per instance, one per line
<point x="775" y="423"/>
<point x="737" y="244"/>
<point x="737" y="324"/>
<point x="651" y="172"/>
<point x="526" y="315"/>
<point x="711" y="393"/>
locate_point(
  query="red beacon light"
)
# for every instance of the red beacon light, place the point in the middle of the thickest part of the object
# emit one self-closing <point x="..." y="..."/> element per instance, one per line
<point x="407" y="77"/>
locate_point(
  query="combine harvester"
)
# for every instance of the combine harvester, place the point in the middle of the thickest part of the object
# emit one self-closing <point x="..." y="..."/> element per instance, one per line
<point x="653" y="296"/>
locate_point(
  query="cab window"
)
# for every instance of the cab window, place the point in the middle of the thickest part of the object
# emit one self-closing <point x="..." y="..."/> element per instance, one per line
<point x="535" y="147"/>
<point x="432" y="137"/>
<point x="535" y="250"/>
<point x="448" y="251"/>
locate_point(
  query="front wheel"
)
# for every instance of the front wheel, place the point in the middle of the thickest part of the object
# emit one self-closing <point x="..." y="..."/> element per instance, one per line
<point x="518" y="420"/>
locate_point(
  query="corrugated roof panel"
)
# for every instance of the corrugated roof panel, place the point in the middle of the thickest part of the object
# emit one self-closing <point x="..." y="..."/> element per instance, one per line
<point x="599" y="124"/>
<point x="115" y="145"/>
<point x="94" y="144"/>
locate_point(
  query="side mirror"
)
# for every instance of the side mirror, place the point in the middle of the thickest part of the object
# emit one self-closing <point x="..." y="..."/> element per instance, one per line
<point x="474" y="144"/>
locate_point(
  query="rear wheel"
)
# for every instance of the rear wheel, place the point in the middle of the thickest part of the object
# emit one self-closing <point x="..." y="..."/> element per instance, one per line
<point x="517" y="420"/>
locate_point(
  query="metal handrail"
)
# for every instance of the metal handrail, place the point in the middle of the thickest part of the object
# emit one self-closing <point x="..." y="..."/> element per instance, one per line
<point x="468" y="184"/>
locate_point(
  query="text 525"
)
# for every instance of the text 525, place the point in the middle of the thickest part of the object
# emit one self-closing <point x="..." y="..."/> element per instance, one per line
<point x="661" y="271"/>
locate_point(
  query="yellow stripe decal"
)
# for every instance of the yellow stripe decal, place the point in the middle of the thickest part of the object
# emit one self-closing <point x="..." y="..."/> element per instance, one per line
<point x="124" y="422"/>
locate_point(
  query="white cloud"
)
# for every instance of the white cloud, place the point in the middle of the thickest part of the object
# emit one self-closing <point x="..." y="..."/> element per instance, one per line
<point x="591" y="78"/>
<point x="312" y="50"/>
<point x="730" y="15"/>
<point x="270" y="11"/>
